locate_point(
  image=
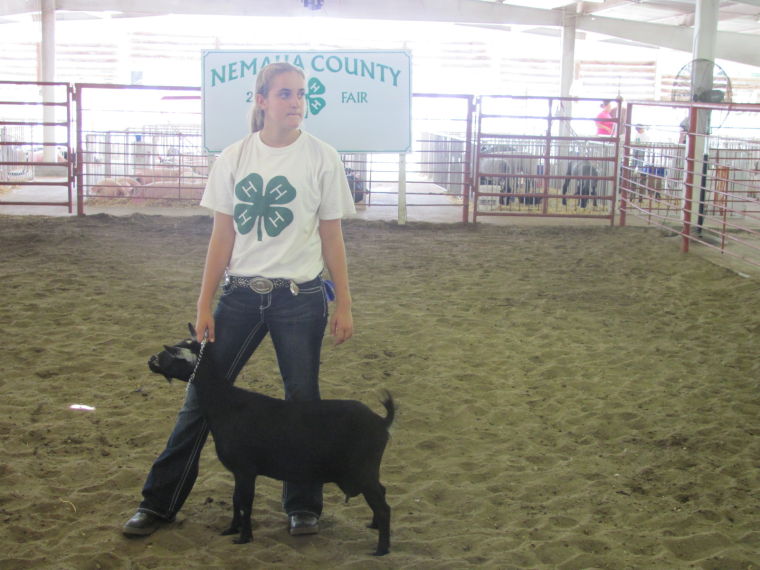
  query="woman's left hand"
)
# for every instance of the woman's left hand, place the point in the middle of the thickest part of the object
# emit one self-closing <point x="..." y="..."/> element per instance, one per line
<point x="341" y="324"/>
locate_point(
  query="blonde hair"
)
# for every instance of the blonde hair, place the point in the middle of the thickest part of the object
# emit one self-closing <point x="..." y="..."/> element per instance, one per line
<point x="264" y="83"/>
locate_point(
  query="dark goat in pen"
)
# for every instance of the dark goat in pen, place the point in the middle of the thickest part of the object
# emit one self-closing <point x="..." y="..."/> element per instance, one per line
<point x="338" y="441"/>
<point x="495" y="172"/>
<point x="585" y="175"/>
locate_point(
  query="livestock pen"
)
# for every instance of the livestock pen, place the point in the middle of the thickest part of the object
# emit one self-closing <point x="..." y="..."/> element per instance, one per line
<point x="703" y="188"/>
<point x="473" y="159"/>
<point x="541" y="156"/>
<point x="143" y="144"/>
<point x="35" y="141"/>
<point x="139" y="143"/>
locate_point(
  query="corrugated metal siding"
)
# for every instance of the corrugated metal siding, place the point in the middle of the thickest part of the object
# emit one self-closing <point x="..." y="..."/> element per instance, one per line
<point x="18" y="61"/>
<point x="98" y="62"/>
<point x="524" y="76"/>
<point x="629" y="79"/>
<point x="743" y="89"/>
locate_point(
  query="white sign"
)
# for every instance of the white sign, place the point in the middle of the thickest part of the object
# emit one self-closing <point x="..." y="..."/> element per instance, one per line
<point x="357" y="101"/>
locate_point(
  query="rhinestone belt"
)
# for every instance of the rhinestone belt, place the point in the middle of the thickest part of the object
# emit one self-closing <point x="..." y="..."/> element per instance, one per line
<point x="262" y="285"/>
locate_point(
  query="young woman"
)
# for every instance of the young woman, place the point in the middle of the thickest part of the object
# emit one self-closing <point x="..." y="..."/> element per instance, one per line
<point x="278" y="197"/>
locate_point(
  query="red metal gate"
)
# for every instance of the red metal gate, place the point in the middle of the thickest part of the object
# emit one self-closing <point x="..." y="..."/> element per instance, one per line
<point x="137" y="143"/>
<point x="435" y="177"/>
<point x="143" y="143"/>
<point x="705" y="188"/>
<point x="35" y="144"/>
<point x="542" y="156"/>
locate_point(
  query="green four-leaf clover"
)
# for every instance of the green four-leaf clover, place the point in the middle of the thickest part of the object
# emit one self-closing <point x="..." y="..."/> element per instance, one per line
<point x="260" y="207"/>
<point x="316" y="104"/>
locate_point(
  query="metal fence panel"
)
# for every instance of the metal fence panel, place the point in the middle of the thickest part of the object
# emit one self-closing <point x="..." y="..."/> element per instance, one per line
<point x="436" y="173"/>
<point x="138" y="144"/>
<point x="541" y="156"/>
<point x="711" y="200"/>
<point x="143" y="143"/>
<point x="35" y="143"/>
<point x="481" y="156"/>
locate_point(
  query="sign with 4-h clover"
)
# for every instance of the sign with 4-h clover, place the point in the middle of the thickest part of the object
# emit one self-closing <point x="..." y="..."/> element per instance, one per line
<point x="314" y="102"/>
<point x="262" y="207"/>
<point x="357" y="101"/>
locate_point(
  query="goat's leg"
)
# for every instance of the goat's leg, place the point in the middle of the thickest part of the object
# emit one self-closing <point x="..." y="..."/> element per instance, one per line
<point x="242" y="504"/>
<point x="234" y="527"/>
<point x="374" y="494"/>
<point x="529" y="190"/>
<point x="374" y="523"/>
<point x="565" y="186"/>
<point x="583" y="191"/>
<point x="248" y="485"/>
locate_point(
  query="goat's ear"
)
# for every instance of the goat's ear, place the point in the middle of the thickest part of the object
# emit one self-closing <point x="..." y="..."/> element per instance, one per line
<point x="168" y="378"/>
<point x="192" y="330"/>
<point x="170" y="349"/>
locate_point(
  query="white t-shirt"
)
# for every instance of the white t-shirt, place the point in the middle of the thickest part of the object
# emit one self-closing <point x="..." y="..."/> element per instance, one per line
<point x="276" y="196"/>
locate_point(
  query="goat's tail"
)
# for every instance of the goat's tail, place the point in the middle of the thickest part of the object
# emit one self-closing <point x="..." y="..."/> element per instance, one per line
<point x="390" y="408"/>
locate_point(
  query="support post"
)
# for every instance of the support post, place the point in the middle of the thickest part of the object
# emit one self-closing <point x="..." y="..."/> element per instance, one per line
<point x="402" y="189"/>
<point x="47" y="67"/>
<point x="567" y="74"/>
<point x="80" y="157"/>
<point x="703" y="52"/>
<point x="567" y="69"/>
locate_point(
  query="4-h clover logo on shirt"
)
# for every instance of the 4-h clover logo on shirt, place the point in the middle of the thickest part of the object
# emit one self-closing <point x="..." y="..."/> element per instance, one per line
<point x="316" y="104"/>
<point x="260" y="206"/>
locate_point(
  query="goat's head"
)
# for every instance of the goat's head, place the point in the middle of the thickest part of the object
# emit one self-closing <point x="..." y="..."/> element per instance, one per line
<point x="177" y="361"/>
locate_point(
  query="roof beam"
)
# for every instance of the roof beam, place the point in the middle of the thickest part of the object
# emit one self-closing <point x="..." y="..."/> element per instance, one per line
<point x="743" y="48"/>
<point x="673" y="37"/>
<point x="10" y="7"/>
<point x="455" y="11"/>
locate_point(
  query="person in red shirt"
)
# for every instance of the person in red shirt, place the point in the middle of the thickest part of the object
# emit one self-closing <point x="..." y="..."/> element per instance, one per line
<point x="605" y="125"/>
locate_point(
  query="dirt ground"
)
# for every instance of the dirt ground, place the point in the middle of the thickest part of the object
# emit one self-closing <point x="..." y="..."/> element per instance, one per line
<point x="580" y="397"/>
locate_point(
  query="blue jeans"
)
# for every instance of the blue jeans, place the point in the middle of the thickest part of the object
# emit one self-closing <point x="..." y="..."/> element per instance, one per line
<point x="296" y="324"/>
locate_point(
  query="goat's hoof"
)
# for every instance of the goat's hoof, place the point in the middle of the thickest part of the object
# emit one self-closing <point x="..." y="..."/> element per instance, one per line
<point x="231" y="530"/>
<point x="243" y="540"/>
<point x="381" y="552"/>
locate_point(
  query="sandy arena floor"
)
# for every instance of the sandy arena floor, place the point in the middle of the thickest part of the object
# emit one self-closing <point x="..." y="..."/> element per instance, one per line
<point x="570" y="397"/>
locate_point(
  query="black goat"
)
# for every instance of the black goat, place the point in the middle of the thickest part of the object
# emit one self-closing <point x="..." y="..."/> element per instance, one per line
<point x="586" y="176"/>
<point x="338" y="441"/>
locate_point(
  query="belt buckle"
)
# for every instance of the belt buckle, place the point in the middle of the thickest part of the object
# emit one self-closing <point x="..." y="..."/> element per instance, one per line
<point x="261" y="285"/>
